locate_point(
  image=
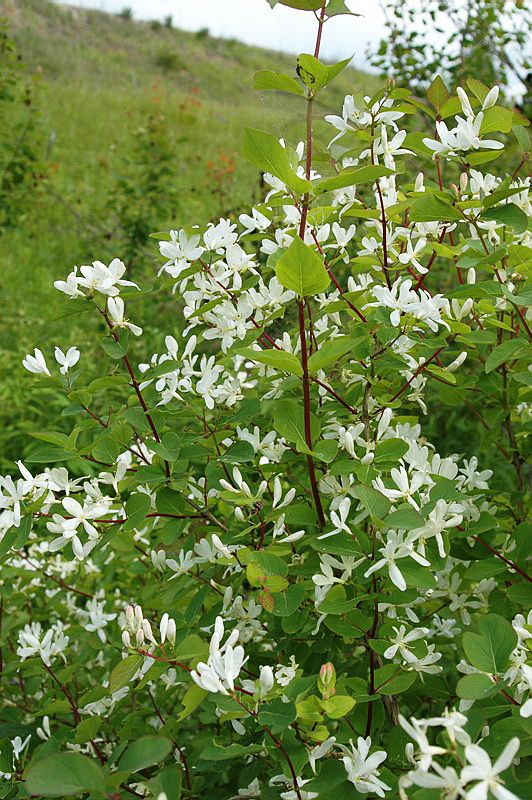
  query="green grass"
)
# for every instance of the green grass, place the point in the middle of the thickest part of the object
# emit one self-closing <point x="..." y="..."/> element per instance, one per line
<point x="102" y="78"/>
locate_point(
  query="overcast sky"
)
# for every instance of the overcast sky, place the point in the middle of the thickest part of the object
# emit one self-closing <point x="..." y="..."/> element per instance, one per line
<point x="254" y="22"/>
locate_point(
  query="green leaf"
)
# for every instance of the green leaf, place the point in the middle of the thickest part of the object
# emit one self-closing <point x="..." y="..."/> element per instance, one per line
<point x="332" y="773"/>
<point x="326" y="450"/>
<point x="270" y="563"/>
<point x="192" y="699"/>
<point x="106" y="449"/>
<point x="310" y="709"/>
<point x="431" y="208"/>
<point x="330" y="352"/>
<point x="316" y="75"/>
<point x="404" y="519"/>
<point x="475" y="687"/>
<point x="390" y="450"/>
<point x="168" y="501"/>
<point x="437" y="93"/>
<point x="288" y="421"/>
<point x="509" y="214"/>
<point x="88" y="728"/>
<point x="302" y="270"/>
<point x="338" y="706"/>
<point x="277" y="716"/>
<point x="239" y="453"/>
<point x="497" y="120"/>
<point x="288" y="602"/>
<point x="6" y="755"/>
<point x="110" y="382"/>
<point x="265" y="151"/>
<point x="64" y="774"/>
<point x="302" y="5"/>
<point x="192" y="646"/>
<point x="489" y="650"/>
<point x="392" y="680"/>
<point x="144" y="752"/>
<point x="113" y="348"/>
<point x="137" y="507"/>
<point x="167" y="781"/>
<point x="124" y="671"/>
<point x="373" y="501"/>
<point x="335" y="7"/>
<point x="352" y="177"/>
<point x="278" y="359"/>
<point x="211" y="751"/>
<point x="275" y="584"/>
<point x="335" y="601"/>
<point x="267" y="79"/>
<point x="507" y="351"/>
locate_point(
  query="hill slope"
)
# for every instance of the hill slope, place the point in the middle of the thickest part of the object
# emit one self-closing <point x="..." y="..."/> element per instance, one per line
<point x="141" y="127"/>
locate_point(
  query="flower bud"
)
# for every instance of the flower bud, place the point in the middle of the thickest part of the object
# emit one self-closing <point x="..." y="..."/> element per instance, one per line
<point x="139" y="637"/>
<point x="471" y="275"/>
<point x="163" y="627"/>
<point x="171" y="631"/>
<point x="146" y="627"/>
<point x="138" y="615"/>
<point x="419" y="185"/>
<point x="368" y="458"/>
<point x="130" y="616"/>
<point x="126" y="639"/>
<point x="266" y="680"/>
<point x="239" y="514"/>
<point x="463" y="181"/>
<point x="457" y="361"/>
<point x="327" y="680"/>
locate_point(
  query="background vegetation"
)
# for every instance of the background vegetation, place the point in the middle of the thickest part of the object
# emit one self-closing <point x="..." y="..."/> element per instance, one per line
<point x="120" y="109"/>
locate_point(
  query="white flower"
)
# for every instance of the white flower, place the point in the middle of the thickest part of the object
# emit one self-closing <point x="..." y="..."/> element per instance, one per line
<point x="361" y="767"/>
<point x="115" y="307"/>
<point x="480" y="769"/>
<point x="283" y="675"/>
<point x="68" y="359"/>
<point x="36" y="363"/>
<point x="224" y="663"/>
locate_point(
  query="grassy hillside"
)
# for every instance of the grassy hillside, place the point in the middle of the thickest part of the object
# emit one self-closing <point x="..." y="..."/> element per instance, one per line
<point x="139" y="126"/>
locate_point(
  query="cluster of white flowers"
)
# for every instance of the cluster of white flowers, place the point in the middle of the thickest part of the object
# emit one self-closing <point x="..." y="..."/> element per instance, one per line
<point x="33" y="641"/>
<point x="140" y="628"/>
<point x="224" y="663"/>
<point x="477" y="777"/>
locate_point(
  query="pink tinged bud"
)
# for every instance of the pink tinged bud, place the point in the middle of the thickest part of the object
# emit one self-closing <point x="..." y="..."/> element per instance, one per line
<point x="126" y="639"/>
<point x="463" y="181"/>
<point x="327" y="680"/>
<point x="163" y="628"/>
<point x="139" y="637"/>
<point x="139" y="616"/>
<point x="266" y="680"/>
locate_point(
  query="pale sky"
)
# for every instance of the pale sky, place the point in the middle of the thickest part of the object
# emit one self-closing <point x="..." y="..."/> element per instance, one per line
<point x="254" y="22"/>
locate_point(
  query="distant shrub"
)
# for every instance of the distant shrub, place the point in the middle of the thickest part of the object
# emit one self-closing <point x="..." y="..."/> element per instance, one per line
<point x="168" y="21"/>
<point x="126" y="13"/>
<point x="202" y="33"/>
<point x="155" y="25"/>
<point x="169" y="60"/>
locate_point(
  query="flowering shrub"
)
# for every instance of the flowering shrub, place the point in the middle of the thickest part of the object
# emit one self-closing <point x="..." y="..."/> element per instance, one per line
<point x="267" y="582"/>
